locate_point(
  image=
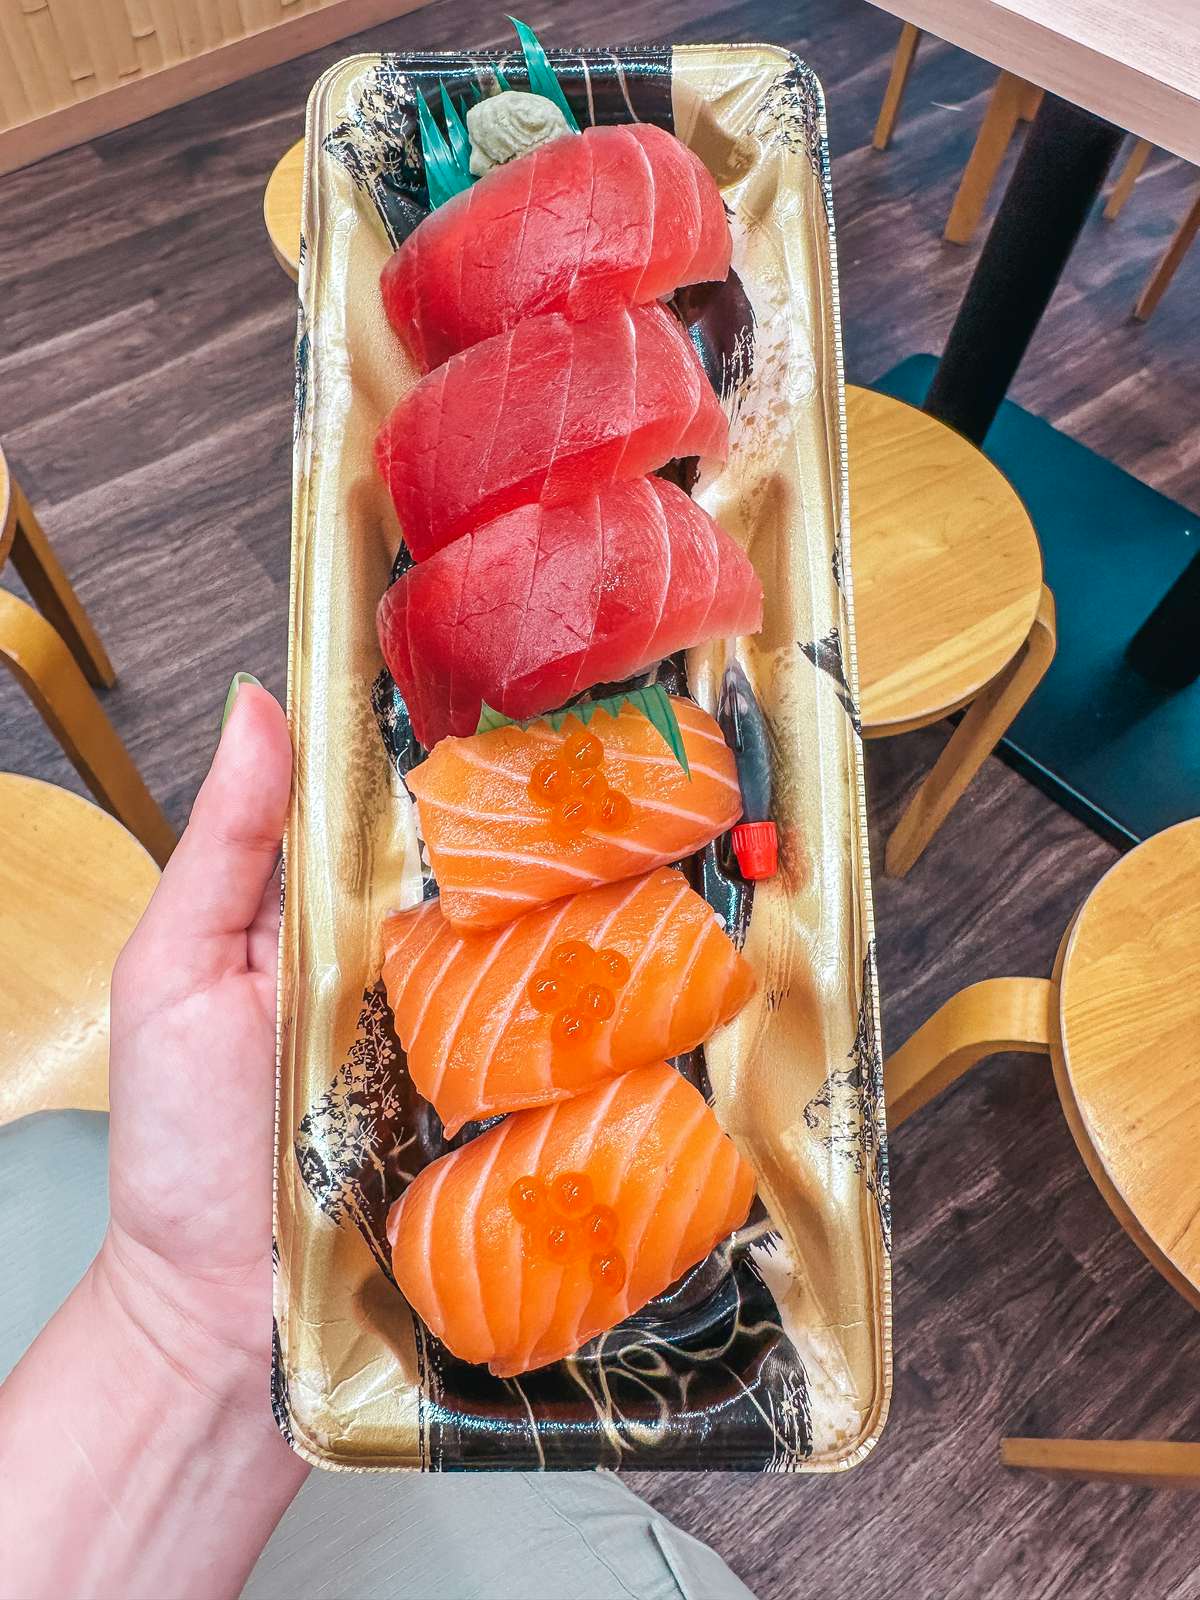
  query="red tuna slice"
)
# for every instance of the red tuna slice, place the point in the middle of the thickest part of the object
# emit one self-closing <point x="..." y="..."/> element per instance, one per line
<point x="617" y="216"/>
<point x="551" y="411"/>
<point x="546" y="601"/>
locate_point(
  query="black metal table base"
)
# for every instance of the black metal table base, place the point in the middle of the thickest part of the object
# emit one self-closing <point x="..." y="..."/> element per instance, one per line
<point x="1066" y="157"/>
<point x="1055" y="184"/>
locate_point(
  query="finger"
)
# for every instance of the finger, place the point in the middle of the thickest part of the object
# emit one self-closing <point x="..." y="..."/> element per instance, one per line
<point x="214" y="883"/>
<point x="262" y="937"/>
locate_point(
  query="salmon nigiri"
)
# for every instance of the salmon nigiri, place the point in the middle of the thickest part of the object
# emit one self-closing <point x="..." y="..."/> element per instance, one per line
<point x="560" y="998"/>
<point x="515" y="817"/>
<point x="557" y="1224"/>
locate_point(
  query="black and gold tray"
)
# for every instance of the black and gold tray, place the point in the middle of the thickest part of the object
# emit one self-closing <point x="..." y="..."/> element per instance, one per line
<point x="773" y="1355"/>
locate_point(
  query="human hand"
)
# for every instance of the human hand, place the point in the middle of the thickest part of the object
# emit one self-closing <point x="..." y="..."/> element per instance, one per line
<point x="140" y="1419"/>
<point x="192" y="1072"/>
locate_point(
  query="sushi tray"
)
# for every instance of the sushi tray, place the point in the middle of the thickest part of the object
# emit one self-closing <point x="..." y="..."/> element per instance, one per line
<point x="581" y="1159"/>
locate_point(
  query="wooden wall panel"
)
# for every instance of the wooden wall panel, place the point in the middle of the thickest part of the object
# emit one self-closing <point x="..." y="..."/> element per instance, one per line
<point x="73" y="69"/>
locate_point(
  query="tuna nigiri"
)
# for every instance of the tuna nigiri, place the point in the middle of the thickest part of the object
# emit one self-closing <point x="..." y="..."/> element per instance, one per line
<point x="620" y="216"/>
<point x="550" y="411"/>
<point x="515" y="817"/>
<point x="560" y="998"/>
<point x="530" y="610"/>
<point x="559" y="1223"/>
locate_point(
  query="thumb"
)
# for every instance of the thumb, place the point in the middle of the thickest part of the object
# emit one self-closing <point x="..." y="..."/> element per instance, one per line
<point x="214" y="882"/>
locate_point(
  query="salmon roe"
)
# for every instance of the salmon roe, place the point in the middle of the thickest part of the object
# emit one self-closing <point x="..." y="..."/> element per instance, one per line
<point x="578" y="987"/>
<point x="608" y="1271"/>
<point x="600" y="1226"/>
<point x="571" y="1193"/>
<point x="525" y="1198"/>
<point x="545" y="992"/>
<point x="613" y="968"/>
<point x="596" y="1001"/>
<point x="573" y="960"/>
<point x="573" y="788"/>
<point x="549" y="783"/>
<point x="615" y="811"/>
<point x="571" y="1028"/>
<point x="560" y="1246"/>
<point x="575" y="1230"/>
<point x="576" y="813"/>
<point x="583" y="751"/>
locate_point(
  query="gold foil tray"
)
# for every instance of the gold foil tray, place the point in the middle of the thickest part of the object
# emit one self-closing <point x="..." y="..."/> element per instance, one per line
<point x="775" y="1353"/>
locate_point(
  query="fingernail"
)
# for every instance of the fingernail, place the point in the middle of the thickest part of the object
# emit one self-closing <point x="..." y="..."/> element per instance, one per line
<point x="239" y="678"/>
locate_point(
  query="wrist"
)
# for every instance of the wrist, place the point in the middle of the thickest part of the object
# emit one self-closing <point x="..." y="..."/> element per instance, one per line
<point x="134" y="1414"/>
<point x="185" y="1333"/>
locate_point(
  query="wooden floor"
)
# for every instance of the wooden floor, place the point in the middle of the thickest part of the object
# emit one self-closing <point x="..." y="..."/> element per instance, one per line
<point x="145" y="402"/>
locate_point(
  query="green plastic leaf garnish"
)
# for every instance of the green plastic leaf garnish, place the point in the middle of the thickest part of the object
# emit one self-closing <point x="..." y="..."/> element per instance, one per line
<point x="444" y="178"/>
<point x="489" y="719"/>
<point x="448" y="155"/>
<point x="460" y="143"/>
<point x="653" y="702"/>
<point x="541" y="74"/>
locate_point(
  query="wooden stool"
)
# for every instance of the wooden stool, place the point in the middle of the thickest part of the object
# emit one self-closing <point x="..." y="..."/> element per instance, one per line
<point x="950" y="608"/>
<point x="1120" y="1021"/>
<point x="54" y="655"/>
<point x="1013" y="101"/>
<point x="281" y="208"/>
<point x="73" y="884"/>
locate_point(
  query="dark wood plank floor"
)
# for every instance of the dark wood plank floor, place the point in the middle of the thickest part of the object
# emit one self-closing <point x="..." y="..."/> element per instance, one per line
<point x="145" y="401"/>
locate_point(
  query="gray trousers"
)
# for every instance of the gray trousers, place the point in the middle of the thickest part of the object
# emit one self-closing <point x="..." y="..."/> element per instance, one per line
<point x="486" y="1536"/>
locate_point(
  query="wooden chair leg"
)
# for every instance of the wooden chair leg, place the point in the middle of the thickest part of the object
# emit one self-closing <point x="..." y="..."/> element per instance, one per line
<point x="985" y="722"/>
<point x="39" y="659"/>
<point x="1031" y="102"/>
<point x="1152" y="1463"/>
<point x="1126" y="178"/>
<point x="986" y="1019"/>
<point x="39" y="567"/>
<point x="1166" y="269"/>
<point x="998" y="126"/>
<point x="906" y="51"/>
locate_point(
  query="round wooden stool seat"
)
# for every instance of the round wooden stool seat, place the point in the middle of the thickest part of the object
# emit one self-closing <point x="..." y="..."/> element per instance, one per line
<point x="1127" y="1056"/>
<point x="281" y="208"/>
<point x="947" y="567"/>
<point x="73" y="883"/>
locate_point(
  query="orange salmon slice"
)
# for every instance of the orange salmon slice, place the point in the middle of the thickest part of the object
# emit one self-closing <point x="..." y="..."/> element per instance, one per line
<point x="497" y="852"/>
<point x="561" y="998"/>
<point x="559" y="1223"/>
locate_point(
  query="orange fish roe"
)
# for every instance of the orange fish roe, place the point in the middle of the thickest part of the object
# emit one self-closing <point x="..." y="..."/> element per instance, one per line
<point x="608" y="1272"/>
<point x="578" y="1229"/>
<point x="596" y="1001"/>
<point x="613" y="968"/>
<point x="600" y="1226"/>
<point x="560" y="1244"/>
<point x="572" y="960"/>
<point x="571" y="1028"/>
<point x="583" y="751"/>
<point x="571" y="1193"/>
<point x="574" y="787"/>
<point x="577" y="986"/>
<point x="525" y="1199"/>
<point x="615" y="812"/>
<point x="546" y="992"/>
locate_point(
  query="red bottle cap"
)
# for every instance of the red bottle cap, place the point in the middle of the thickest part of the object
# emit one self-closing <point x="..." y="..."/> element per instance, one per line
<point x="756" y="846"/>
